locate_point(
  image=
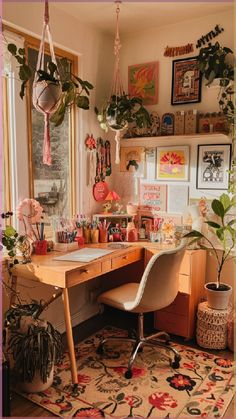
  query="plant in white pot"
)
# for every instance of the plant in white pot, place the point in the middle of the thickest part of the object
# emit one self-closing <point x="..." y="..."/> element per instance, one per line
<point x="34" y="344"/>
<point x="223" y="231"/>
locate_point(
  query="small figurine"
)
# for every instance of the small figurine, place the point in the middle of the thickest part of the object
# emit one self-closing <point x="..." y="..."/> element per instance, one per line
<point x="107" y="207"/>
<point x="118" y="207"/>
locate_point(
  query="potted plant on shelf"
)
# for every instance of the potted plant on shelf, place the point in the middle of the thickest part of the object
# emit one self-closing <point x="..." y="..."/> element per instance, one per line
<point x="214" y="63"/>
<point x="121" y="110"/>
<point x="70" y="90"/>
<point x="224" y="235"/>
<point x="34" y="344"/>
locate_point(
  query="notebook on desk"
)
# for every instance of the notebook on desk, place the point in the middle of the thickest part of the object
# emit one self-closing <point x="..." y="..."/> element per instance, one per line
<point x="84" y="255"/>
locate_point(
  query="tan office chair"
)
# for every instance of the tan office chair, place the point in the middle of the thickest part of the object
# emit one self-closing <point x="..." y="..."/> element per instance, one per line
<point x="157" y="289"/>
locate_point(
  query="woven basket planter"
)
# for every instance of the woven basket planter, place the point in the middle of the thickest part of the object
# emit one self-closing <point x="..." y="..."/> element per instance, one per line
<point x="212" y="327"/>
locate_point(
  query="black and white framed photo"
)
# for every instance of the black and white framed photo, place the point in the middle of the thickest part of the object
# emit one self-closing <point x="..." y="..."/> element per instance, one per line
<point x="213" y="164"/>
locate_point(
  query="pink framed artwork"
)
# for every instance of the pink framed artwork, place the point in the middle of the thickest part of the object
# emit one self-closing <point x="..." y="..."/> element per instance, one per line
<point x="153" y="194"/>
<point x="143" y="82"/>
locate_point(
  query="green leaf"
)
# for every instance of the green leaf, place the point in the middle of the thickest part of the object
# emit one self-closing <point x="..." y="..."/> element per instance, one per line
<point x="52" y="68"/>
<point x="120" y="397"/>
<point x="194" y="233"/>
<point x="22" y="89"/>
<point x="21" y="60"/>
<point x="82" y="102"/>
<point x="88" y="85"/>
<point x="218" y="208"/>
<point x="66" y="86"/>
<point x="232" y="222"/>
<point x="25" y="72"/>
<point x="220" y="233"/>
<point x="213" y="224"/>
<point x="12" y="48"/>
<point x="9" y="231"/>
<point x="21" y="51"/>
<point x="225" y="200"/>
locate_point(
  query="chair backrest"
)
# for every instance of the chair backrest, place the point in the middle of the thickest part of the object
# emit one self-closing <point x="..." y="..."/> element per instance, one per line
<point x="160" y="281"/>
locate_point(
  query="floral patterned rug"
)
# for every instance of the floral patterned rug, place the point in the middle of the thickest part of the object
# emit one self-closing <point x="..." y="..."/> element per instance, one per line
<point x="203" y="386"/>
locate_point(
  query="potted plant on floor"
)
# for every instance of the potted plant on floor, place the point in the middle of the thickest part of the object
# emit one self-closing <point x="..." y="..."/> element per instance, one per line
<point x="34" y="344"/>
<point x="224" y="236"/>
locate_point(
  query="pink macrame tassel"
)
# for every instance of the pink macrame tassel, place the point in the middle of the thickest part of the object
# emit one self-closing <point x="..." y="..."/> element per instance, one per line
<point x="46" y="144"/>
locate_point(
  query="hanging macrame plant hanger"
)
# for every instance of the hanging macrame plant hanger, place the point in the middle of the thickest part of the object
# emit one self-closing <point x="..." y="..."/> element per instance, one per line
<point x="117" y="85"/>
<point x="46" y="94"/>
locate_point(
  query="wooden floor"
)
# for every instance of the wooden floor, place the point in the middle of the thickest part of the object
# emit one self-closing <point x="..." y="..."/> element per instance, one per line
<point x="21" y="407"/>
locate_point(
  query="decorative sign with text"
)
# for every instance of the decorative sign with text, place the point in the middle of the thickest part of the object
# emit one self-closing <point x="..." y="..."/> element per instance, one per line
<point x="153" y="194"/>
<point x="205" y="39"/>
<point x="174" y="51"/>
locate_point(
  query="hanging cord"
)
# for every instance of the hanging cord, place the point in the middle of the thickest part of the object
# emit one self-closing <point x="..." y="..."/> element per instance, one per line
<point x="117" y="86"/>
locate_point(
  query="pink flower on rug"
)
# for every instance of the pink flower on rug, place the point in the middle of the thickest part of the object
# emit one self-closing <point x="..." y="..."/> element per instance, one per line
<point x="162" y="401"/>
<point x="189" y="365"/>
<point x="89" y="412"/>
<point x="133" y="401"/>
<point x="83" y="379"/>
<point x="225" y="363"/>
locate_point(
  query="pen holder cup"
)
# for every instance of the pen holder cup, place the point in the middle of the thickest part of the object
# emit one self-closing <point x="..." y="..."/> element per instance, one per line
<point x="86" y="234"/>
<point x="103" y="235"/>
<point x="94" y="236"/>
<point x="40" y="247"/>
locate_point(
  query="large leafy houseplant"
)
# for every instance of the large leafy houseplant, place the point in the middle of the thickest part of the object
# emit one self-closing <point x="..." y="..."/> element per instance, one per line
<point x="223" y="231"/>
<point x="75" y="91"/>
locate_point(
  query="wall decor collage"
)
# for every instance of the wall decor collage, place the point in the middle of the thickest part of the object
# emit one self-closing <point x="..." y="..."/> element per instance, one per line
<point x="185" y="89"/>
<point x="172" y="164"/>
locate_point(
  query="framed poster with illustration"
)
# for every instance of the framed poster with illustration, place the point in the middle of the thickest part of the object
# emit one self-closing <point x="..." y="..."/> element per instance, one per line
<point x="186" y="81"/>
<point x="153" y="194"/>
<point x="143" y="82"/>
<point x="213" y="163"/>
<point x="132" y="160"/>
<point x="173" y="163"/>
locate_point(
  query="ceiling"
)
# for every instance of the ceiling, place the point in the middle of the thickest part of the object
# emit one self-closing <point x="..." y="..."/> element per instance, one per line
<point x="135" y="16"/>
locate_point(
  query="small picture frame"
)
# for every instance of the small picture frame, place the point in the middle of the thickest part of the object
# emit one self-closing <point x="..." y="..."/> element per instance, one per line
<point x="213" y="164"/>
<point x="186" y="81"/>
<point x="173" y="163"/>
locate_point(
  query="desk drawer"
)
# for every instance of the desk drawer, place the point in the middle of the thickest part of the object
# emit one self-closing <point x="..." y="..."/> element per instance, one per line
<point x="83" y="274"/>
<point x="179" y="306"/>
<point x="185" y="267"/>
<point x="185" y="284"/>
<point x="127" y="258"/>
<point x="172" y="323"/>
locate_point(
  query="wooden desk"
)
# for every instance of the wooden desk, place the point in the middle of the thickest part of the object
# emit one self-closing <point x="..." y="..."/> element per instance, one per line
<point x="65" y="275"/>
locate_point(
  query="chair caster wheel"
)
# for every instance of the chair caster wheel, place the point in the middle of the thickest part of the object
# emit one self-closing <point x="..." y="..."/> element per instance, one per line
<point x="175" y="364"/>
<point x="100" y="350"/>
<point x="128" y="374"/>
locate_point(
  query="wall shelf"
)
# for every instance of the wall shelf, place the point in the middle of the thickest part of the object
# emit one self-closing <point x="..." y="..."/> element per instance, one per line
<point x="201" y="137"/>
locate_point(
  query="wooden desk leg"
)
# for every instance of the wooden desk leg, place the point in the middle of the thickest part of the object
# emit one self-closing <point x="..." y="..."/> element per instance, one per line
<point x="69" y="334"/>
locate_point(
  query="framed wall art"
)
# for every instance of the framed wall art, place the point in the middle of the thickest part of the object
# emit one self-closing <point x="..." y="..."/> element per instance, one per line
<point x="173" y="163"/>
<point x="132" y="160"/>
<point x="213" y="163"/>
<point x="186" y="81"/>
<point x="153" y="194"/>
<point x="143" y="82"/>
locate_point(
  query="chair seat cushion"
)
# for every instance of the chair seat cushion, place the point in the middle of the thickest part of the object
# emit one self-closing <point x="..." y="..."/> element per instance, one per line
<point x="121" y="297"/>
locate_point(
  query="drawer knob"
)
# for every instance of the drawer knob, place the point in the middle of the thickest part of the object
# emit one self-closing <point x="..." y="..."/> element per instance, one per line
<point x="85" y="271"/>
<point x="124" y="257"/>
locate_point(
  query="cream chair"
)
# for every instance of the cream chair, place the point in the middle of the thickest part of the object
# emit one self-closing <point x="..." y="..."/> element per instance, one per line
<point x="157" y="289"/>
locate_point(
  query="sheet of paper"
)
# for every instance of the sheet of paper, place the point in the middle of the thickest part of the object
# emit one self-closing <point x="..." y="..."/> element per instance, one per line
<point x="177" y="198"/>
<point x="86" y="254"/>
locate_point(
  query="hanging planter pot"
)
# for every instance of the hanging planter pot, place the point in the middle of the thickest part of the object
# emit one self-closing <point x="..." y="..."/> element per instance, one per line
<point x="47" y="91"/>
<point x="46" y="96"/>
